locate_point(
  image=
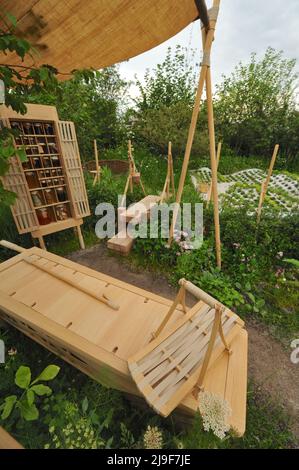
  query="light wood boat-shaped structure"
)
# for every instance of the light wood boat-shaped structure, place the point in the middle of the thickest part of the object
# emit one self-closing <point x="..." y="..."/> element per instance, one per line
<point x="125" y="337"/>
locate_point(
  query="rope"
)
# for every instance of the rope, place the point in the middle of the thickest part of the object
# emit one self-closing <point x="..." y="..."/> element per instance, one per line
<point x="213" y="13"/>
<point x="206" y="59"/>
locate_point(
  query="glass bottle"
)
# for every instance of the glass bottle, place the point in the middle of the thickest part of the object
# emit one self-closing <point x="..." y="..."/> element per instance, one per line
<point x="61" y="194"/>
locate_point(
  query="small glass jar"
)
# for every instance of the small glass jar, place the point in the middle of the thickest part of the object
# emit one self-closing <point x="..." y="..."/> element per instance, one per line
<point x="16" y="126"/>
<point x="49" y="129"/>
<point x="59" y="172"/>
<point x="55" y="161"/>
<point x="32" y="180"/>
<point x="36" y="162"/>
<point x="36" y="198"/>
<point x="28" y="128"/>
<point x="43" y="183"/>
<point x="43" y="216"/>
<point x="61" y="212"/>
<point x="38" y="128"/>
<point x="28" y="151"/>
<point x="55" y="182"/>
<point x="52" y="148"/>
<point x="49" y="196"/>
<point x="47" y="174"/>
<point x="61" y="194"/>
<point x="47" y="163"/>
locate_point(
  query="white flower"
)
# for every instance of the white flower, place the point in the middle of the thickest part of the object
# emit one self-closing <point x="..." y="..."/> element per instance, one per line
<point x="215" y="413"/>
<point x="152" y="438"/>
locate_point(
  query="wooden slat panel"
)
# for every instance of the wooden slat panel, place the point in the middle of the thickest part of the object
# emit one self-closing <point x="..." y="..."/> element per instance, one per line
<point x="73" y="167"/>
<point x="167" y="369"/>
<point x="14" y="180"/>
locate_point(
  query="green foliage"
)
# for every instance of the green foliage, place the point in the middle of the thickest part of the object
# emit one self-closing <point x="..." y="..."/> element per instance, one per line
<point x="173" y="81"/>
<point x="255" y="106"/>
<point x="164" y="106"/>
<point x="18" y="82"/>
<point x="25" y="406"/>
<point x="93" y="100"/>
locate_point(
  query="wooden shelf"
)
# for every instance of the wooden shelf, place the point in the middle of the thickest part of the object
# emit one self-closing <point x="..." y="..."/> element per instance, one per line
<point x="39" y="188"/>
<point x="45" y="169"/>
<point x="45" y="206"/>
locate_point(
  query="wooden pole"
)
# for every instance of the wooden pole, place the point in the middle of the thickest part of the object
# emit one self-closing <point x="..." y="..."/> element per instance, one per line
<point x="265" y="183"/>
<point x="98" y="169"/>
<point x="202" y="78"/>
<point x="72" y="283"/>
<point x="213" y="166"/>
<point x="171" y="173"/>
<point x="209" y="196"/>
<point x="80" y="237"/>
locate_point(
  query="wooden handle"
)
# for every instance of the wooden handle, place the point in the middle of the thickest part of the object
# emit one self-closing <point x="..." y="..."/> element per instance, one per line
<point x="101" y="298"/>
<point x="12" y="246"/>
<point x="199" y="293"/>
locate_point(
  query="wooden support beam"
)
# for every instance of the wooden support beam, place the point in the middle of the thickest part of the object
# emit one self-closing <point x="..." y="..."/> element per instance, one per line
<point x="80" y="236"/>
<point x="210" y="192"/>
<point x="180" y="299"/>
<point x="265" y="183"/>
<point x="202" y="78"/>
<point x="98" y="168"/>
<point x="213" y="166"/>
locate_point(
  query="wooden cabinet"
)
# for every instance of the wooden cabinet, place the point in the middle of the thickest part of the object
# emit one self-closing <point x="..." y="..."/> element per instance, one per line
<point x="50" y="187"/>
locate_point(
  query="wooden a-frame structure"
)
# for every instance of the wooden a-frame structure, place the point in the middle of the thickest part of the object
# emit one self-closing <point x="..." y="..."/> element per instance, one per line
<point x="205" y="80"/>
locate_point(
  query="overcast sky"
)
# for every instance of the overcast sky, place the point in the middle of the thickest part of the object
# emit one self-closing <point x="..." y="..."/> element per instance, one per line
<point x="244" y="26"/>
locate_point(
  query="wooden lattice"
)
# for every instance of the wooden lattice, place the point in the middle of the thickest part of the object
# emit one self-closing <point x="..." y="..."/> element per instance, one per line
<point x="72" y="162"/>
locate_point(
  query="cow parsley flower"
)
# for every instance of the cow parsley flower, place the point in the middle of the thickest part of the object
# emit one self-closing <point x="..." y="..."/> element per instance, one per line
<point x="215" y="413"/>
<point x="152" y="438"/>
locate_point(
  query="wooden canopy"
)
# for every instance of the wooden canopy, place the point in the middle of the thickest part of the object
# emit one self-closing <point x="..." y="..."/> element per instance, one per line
<point x="72" y="34"/>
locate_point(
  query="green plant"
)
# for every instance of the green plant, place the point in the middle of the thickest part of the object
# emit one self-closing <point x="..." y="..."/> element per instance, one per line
<point x="18" y="81"/>
<point x="292" y="262"/>
<point x="25" y="403"/>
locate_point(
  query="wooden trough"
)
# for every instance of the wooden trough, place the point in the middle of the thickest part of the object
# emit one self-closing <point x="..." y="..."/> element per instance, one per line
<point x="98" y="324"/>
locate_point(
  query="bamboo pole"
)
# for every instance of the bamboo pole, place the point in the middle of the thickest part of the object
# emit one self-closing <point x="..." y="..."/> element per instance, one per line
<point x="213" y="166"/>
<point x="169" y="181"/>
<point x="98" y="169"/>
<point x="209" y="196"/>
<point x="202" y="78"/>
<point x="265" y="183"/>
<point x="171" y="172"/>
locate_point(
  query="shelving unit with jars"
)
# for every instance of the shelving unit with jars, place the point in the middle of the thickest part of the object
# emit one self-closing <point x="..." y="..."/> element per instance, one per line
<point x="50" y="188"/>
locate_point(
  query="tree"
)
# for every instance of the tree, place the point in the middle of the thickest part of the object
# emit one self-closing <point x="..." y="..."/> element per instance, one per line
<point x="255" y="104"/>
<point x="93" y="100"/>
<point x="164" y="106"/>
<point x="18" y="82"/>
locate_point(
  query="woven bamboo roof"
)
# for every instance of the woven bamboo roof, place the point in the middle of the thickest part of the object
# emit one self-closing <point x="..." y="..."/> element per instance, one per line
<point x="74" y="34"/>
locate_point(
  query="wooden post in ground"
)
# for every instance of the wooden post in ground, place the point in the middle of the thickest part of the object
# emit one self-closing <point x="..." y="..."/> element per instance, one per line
<point x="171" y="172"/>
<point x="210" y="192"/>
<point x="213" y="166"/>
<point x="41" y="242"/>
<point x="98" y="169"/>
<point x="169" y="187"/>
<point x="265" y="183"/>
<point x="202" y="78"/>
<point x="78" y="232"/>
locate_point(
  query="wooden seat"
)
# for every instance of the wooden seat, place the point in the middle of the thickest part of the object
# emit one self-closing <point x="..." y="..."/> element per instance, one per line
<point x="141" y="207"/>
<point x="167" y="369"/>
